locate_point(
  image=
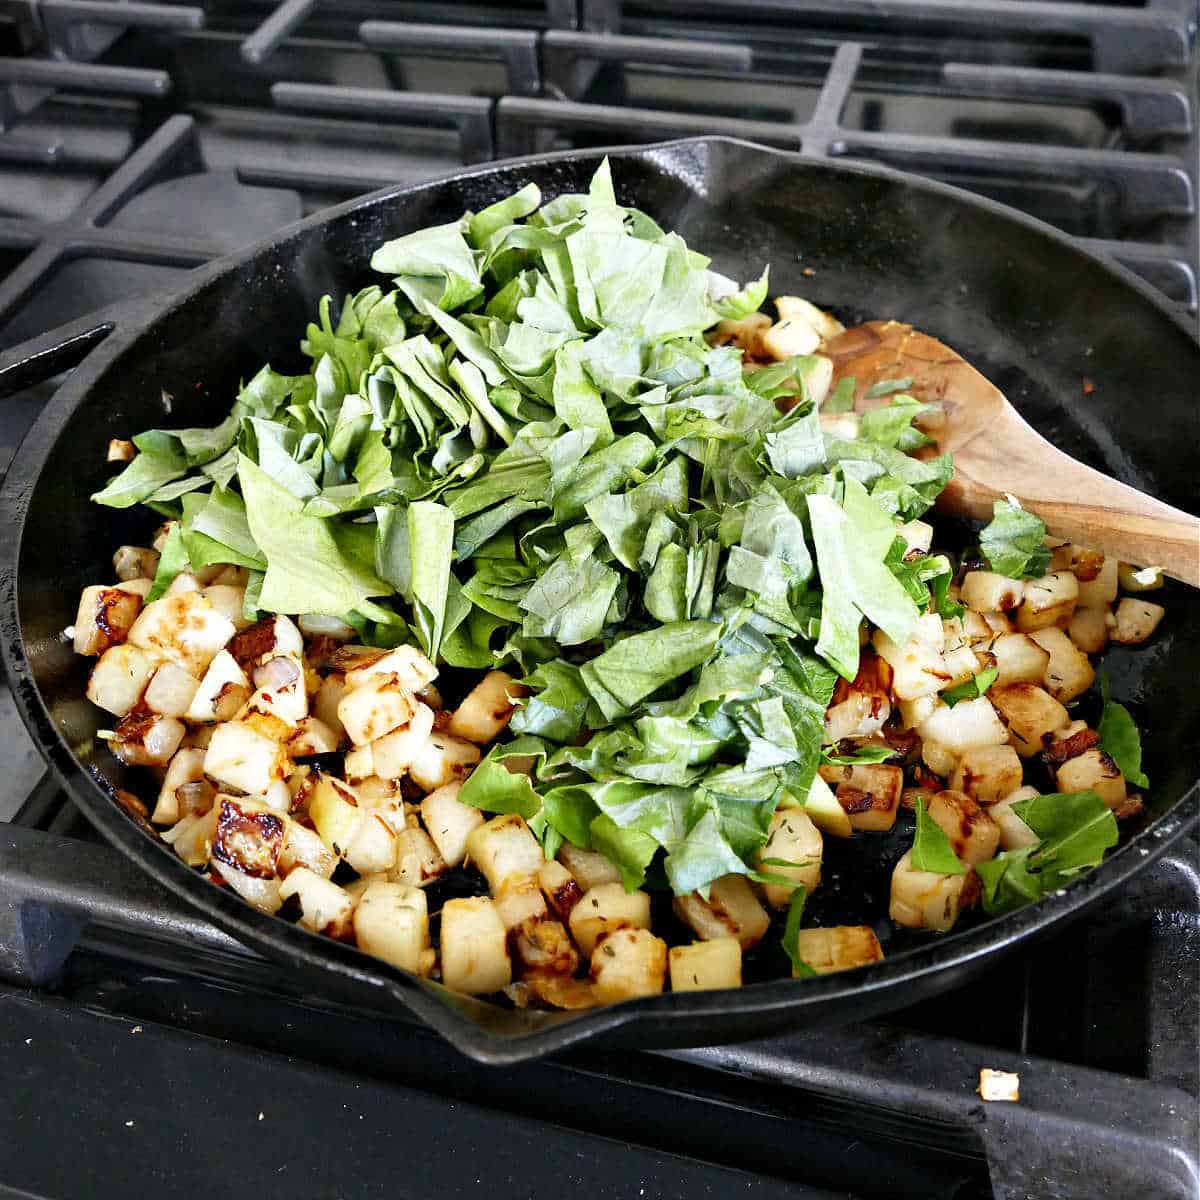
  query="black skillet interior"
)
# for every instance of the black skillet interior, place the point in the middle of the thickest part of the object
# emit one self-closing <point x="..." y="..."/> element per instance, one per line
<point x="1032" y="312"/>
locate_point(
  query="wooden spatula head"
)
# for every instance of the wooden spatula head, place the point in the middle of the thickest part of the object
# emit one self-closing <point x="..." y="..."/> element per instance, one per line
<point x="997" y="453"/>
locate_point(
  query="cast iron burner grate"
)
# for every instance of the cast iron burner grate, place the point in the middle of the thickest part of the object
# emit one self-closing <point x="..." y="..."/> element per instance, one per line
<point x="147" y="1051"/>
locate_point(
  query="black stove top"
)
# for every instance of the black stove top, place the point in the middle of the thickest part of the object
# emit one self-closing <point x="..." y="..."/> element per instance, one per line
<point x="146" y="1052"/>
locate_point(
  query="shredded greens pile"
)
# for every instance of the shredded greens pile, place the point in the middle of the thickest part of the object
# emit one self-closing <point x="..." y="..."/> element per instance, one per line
<point x="525" y="454"/>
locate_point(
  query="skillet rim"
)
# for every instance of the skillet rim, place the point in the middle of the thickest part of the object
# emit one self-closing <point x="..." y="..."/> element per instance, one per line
<point x="659" y="1020"/>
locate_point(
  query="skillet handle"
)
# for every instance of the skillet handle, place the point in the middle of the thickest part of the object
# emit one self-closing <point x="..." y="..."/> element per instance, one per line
<point x="48" y="354"/>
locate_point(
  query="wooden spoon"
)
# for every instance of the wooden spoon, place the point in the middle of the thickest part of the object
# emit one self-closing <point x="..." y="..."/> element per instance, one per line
<point x="996" y="452"/>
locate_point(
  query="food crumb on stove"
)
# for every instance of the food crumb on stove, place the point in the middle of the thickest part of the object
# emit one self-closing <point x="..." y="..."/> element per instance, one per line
<point x="136" y="1029"/>
<point x="1089" y="385"/>
<point x="29" y="1041"/>
<point x="808" y="272"/>
<point x="999" y="1085"/>
<point x="128" y="1124"/>
<point x="260" y="1116"/>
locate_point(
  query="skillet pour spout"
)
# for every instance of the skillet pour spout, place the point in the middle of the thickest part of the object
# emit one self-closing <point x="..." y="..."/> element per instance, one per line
<point x="1018" y="300"/>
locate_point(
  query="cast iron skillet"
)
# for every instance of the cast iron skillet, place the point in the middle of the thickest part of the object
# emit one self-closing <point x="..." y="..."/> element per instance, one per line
<point x="1012" y="295"/>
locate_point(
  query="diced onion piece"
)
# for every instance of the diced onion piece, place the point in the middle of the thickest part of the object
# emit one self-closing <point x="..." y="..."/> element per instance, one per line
<point x="263" y="894"/>
<point x="1133" y="579"/>
<point x="187" y="766"/>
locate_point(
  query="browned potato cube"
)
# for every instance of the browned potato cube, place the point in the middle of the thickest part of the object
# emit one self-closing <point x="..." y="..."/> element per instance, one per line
<point x="487" y="709"/>
<point x="1068" y="673"/>
<point x="704" y="966"/>
<point x="868" y="793"/>
<point x="503" y="848"/>
<point x="1136" y="621"/>
<point x="795" y="840"/>
<point x="1019" y="659"/>
<point x="987" y="773"/>
<point x="104" y="619"/>
<point x="926" y="900"/>
<point x="606" y="907"/>
<point x="838" y="948"/>
<point x="1048" y="601"/>
<point x="985" y="591"/>
<point x="589" y="868"/>
<point x="1014" y="833"/>
<point x="541" y="945"/>
<point x="731" y="910"/>
<point x="1089" y="629"/>
<point x="560" y="888"/>
<point x="1093" y="770"/>
<point x="1031" y="714"/>
<point x="628" y="963"/>
<point x="973" y="835"/>
<point x="1101" y="591"/>
<point x="520" y="899"/>
<point x="474" y="947"/>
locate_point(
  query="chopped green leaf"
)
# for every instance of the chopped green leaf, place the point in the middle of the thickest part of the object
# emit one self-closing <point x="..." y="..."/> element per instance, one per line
<point x="492" y="787"/>
<point x="931" y="850"/>
<point x="791" y="934"/>
<point x="1119" y="737"/>
<point x="1014" y="542"/>
<point x="972" y="689"/>
<point x="841" y="399"/>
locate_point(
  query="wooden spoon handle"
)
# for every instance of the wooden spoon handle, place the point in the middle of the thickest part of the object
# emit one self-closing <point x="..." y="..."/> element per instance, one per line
<point x="1075" y="501"/>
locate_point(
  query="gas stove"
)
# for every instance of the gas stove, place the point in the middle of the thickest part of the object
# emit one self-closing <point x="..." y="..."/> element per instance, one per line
<point x="146" y="1051"/>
